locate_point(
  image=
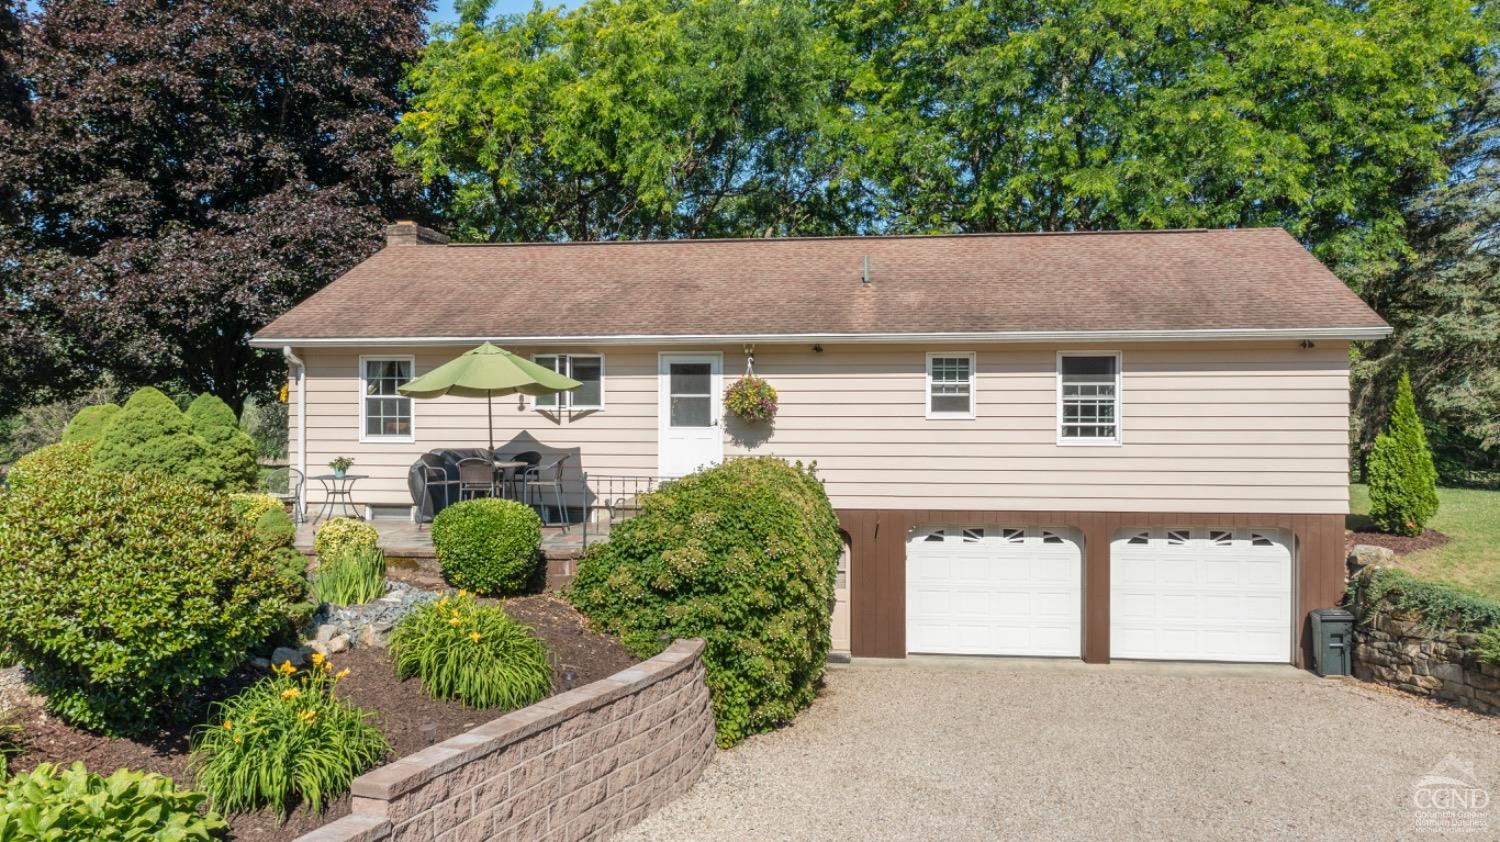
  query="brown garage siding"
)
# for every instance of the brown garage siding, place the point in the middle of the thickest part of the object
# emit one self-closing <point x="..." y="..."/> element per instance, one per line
<point x="878" y="565"/>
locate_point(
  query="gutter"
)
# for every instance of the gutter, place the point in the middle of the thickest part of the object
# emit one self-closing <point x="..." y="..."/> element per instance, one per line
<point x="286" y="351"/>
<point x="1351" y="334"/>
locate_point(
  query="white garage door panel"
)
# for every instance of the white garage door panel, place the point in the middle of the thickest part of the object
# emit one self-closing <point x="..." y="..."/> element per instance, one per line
<point x="993" y="591"/>
<point x="1210" y="595"/>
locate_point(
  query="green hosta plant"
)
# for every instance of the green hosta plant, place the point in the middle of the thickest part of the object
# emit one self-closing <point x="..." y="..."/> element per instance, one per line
<point x="286" y="740"/>
<point x="488" y="545"/>
<point x="751" y="398"/>
<point x="51" y="803"/>
<point x="343" y="533"/>
<point x="351" y="577"/>
<point x="472" y="653"/>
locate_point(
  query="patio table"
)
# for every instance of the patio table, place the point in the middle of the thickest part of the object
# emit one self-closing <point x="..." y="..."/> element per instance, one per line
<point x="505" y="467"/>
<point x="337" y="492"/>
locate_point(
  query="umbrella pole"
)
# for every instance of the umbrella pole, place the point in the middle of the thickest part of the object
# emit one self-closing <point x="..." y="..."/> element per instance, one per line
<point x="489" y="406"/>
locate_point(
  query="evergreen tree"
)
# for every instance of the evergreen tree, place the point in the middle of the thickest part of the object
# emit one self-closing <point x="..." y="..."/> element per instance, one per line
<point x="89" y="423"/>
<point x="214" y="422"/>
<point x="1403" y="480"/>
<point x="150" y="434"/>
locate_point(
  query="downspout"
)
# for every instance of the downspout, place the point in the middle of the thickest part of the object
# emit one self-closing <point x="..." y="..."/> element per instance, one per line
<point x="286" y="351"/>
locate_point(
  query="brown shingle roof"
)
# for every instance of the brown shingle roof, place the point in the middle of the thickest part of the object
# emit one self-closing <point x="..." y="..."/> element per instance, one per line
<point x="1240" y="279"/>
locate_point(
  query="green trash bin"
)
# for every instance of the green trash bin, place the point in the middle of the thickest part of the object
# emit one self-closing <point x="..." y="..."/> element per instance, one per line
<point x="1333" y="641"/>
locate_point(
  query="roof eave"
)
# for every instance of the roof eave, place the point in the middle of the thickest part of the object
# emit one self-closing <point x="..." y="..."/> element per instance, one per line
<point x="1351" y="334"/>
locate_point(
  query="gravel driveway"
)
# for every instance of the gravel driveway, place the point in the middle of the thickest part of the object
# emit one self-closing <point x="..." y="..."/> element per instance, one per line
<point x="959" y="749"/>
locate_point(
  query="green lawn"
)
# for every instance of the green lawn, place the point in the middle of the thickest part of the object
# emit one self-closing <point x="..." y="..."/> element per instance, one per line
<point x="1471" y="519"/>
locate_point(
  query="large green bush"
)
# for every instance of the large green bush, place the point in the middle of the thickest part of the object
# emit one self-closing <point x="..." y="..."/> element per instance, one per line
<point x="743" y="555"/>
<point x="472" y="653"/>
<point x="1403" y="481"/>
<point x="89" y="423"/>
<point x="287" y="739"/>
<point x="151" y="434"/>
<point x="488" y="545"/>
<point x="51" y="803"/>
<point x="61" y="459"/>
<point x="234" y="451"/>
<point x="124" y="592"/>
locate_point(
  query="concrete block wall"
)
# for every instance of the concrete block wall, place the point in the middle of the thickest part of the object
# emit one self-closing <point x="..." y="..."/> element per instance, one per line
<point x="584" y="764"/>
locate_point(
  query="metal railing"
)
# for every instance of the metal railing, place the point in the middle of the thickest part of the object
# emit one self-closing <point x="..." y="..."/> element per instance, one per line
<point x="615" y="496"/>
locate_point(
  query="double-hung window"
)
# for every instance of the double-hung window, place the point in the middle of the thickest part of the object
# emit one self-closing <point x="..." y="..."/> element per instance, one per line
<point x="1088" y="398"/>
<point x="384" y="413"/>
<point x="587" y="369"/>
<point x="950" y="385"/>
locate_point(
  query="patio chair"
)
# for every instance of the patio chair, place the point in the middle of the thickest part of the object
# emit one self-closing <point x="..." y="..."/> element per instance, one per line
<point x="433" y="477"/>
<point x="285" y="484"/>
<point x="538" y="479"/>
<point x="518" y="476"/>
<point x="475" y="476"/>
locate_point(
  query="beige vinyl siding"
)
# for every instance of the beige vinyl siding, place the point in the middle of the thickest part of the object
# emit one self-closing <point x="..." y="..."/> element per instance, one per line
<point x="1218" y="427"/>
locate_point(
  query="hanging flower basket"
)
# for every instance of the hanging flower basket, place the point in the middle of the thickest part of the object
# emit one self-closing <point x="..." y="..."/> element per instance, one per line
<point x="751" y="398"/>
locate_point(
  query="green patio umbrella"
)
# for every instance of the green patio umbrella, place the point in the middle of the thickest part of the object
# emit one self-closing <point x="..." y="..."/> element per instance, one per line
<point x="485" y="372"/>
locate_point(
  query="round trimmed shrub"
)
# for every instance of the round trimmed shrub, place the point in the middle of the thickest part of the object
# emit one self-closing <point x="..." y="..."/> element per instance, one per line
<point x="473" y="653"/>
<point x="124" y="592"/>
<point x="342" y="535"/>
<point x="488" y="545"/>
<point x="61" y="459"/>
<point x="275" y="529"/>
<point x="234" y="451"/>
<point x="151" y="435"/>
<point x="89" y="423"/>
<point x="744" y="555"/>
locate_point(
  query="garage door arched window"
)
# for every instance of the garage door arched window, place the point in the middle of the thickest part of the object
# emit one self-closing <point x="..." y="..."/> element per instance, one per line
<point x="1088" y="398"/>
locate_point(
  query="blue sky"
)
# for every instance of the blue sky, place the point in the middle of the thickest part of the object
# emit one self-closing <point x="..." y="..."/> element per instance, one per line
<point x="444" y="9"/>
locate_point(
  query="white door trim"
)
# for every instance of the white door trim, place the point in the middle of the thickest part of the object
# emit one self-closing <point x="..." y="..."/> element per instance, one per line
<point x="715" y="444"/>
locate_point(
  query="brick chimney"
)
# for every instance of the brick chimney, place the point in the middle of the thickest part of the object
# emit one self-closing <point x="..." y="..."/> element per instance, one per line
<point x="404" y="232"/>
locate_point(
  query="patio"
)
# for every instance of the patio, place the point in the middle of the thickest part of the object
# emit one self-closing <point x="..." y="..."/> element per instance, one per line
<point x="401" y="538"/>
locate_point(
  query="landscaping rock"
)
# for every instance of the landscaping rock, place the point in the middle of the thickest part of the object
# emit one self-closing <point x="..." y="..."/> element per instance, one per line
<point x="286" y="654"/>
<point x="369" y="624"/>
<point x="260" y="663"/>
<point x="339" y="643"/>
<point x="1368" y="555"/>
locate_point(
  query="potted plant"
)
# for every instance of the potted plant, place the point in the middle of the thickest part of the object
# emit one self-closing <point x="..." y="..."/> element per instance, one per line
<point x="340" y="466"/>
<point x="751" y="398"/>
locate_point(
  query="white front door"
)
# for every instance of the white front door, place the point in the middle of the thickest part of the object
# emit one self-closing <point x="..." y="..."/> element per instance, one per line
<point x="1201" y="595"/>
<point x="986" y="590"/>
<point x="690" y="395"/>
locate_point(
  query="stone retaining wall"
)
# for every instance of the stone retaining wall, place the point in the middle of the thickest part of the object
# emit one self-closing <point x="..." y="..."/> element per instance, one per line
<point x="584" y="764"/>
<point x="1391" y="646"/>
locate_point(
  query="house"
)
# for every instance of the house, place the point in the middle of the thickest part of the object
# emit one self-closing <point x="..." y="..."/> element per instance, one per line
<point x="1096" y="445"/>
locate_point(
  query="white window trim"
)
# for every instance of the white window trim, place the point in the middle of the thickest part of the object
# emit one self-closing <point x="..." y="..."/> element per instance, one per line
<point x="973" y="386"/>
<point x="360" y="385"/>
<point x="1119" y="438"/>
<point x="569" y="406"/>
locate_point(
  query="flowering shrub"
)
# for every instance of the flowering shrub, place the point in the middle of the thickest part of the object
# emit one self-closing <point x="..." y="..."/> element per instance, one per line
<point x="751" y="398"/>
<point x="473" y="653"/>
<point x="488" y="545"/>
<point x="54" y="803"/>
<point x="288" y="739"/>
<point x="342" y="534"/>
<point x="124" y="592"/>
<point x="743" y="555"/>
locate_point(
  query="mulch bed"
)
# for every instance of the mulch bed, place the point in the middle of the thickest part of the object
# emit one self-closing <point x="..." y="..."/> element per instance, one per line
<point x="401" y="708"/>
<point x="1399" y="544"/>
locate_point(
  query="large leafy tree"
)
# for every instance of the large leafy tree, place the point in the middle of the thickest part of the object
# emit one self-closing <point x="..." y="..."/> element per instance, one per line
<point x="634" y="119"/>
<point x="1023" y="115"/>
<point x="190" y="168"/>
<point x="1444" y="300"/>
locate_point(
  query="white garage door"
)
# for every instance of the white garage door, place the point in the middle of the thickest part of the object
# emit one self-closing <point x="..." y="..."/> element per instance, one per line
<point x="993" y="591"/>
<point x="1201" y="595"/>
